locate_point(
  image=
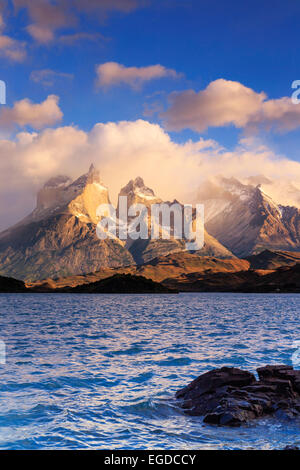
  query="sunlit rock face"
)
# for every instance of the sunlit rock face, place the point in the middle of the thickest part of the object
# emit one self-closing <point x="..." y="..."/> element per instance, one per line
<point x="59" y="237"/>
<point x="81" y="197"/>
<point x="92" y="193"/>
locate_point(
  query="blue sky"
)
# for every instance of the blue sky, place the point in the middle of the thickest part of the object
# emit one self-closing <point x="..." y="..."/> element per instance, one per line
<point x="254" y="43"/>
<point x="202" y="86"/>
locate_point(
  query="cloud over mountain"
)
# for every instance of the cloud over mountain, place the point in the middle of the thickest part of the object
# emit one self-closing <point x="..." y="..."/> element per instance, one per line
<point x="36" y="115"/>
<point x="123" y="151"/>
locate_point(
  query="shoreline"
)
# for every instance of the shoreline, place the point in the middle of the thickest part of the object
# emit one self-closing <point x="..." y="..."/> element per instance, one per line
<point x="29" y="291"/>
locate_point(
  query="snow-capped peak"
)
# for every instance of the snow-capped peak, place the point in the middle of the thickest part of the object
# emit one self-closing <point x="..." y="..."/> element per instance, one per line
<point x="137" y="192"/>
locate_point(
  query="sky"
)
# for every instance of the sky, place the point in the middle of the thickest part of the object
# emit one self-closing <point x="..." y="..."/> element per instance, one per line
<point x="175" y="91"/>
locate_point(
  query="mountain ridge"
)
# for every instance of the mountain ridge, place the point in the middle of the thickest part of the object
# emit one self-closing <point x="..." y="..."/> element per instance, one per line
<point x="187" y="272"/>
<point x="58" y="239"/>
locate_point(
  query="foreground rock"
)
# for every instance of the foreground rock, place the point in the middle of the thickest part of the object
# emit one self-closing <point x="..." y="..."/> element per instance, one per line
<point x="231" y="397"/>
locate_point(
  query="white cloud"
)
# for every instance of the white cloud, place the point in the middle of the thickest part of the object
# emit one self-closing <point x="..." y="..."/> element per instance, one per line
<point x="10" y="48"/>
<point x="48" y="77"/>
<point x="2" y="24"/>
<point x="101" y="6"/>
<point x="36" y="115"/>
<point x="47" y="17"/>
<point x="123" y="151"/>
<point x="225" y="103"/>
<point x="70" y="39"/>
<point x="112" y="73"/>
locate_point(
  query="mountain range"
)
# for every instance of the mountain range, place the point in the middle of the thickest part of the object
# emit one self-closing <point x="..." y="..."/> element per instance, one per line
<point x="58" y="239"/>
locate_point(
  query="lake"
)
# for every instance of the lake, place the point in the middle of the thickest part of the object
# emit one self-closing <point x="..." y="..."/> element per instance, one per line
<point x="100" y="371"/>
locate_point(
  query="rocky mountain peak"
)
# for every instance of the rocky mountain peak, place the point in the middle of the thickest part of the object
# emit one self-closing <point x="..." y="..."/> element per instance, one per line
<point x="139" y="182"/>
<point x="53" y="192"/>
<point x="258" y="180"/>
<point x="62" y="195"/>
<point x="58" y="182"/>
<point x="137" y="192"/>
<point x="237" y="189"/>
<point x="92" y="176"/>
<point x="90" y="193"/>
<point x="245" y="219"/>
<point x="135" y="185"/>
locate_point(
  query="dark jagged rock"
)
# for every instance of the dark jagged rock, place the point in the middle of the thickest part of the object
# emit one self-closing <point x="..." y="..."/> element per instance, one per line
<point x="231" y="397"/>
<point x="10" y="285"/>
<point x="122" y="283"/>
<point x="117" y="284"/>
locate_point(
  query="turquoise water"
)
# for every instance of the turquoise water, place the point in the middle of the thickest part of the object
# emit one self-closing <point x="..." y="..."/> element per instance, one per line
<point x="100" y="371"/>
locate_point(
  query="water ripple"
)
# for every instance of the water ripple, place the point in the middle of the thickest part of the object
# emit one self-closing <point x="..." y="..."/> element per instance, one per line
<point x="101" y="371"/>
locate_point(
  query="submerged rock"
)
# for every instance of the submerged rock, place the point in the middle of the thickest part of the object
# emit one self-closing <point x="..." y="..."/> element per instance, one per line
<point x="231" y="397"/>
